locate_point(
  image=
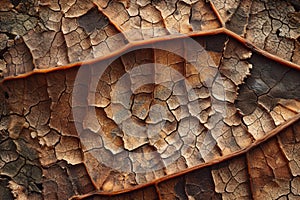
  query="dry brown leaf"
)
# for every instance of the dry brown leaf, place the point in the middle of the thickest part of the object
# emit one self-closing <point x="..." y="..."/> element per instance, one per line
<point x="109" y="100"/>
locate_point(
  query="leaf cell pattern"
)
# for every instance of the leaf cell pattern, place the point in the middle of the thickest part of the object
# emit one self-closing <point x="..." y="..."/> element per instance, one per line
<point x="109" y="100"/>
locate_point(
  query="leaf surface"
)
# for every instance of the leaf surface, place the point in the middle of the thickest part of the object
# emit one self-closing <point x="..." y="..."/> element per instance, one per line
<point x="149" y="99"/>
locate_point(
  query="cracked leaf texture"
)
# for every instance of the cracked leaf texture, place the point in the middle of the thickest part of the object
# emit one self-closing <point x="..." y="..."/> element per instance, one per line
<point x="139" y="99"/>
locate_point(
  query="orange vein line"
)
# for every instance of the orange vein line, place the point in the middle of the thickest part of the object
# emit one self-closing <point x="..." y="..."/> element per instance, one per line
<point x="252" y="47"/>
<point x="117" y="52"/>
<point x="269" y="135"/>
<point x="215" y="10"/>
<point x="126" y="47"/>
